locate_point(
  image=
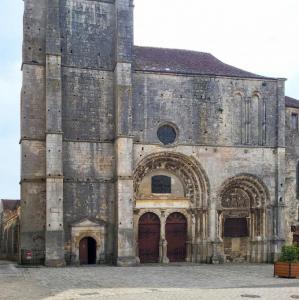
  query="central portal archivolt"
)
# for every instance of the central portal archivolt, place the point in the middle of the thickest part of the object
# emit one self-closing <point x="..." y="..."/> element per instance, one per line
<point x="187" y="169"/>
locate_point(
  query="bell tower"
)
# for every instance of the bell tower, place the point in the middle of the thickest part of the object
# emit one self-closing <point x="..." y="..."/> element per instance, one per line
<point x="76" y="94"/>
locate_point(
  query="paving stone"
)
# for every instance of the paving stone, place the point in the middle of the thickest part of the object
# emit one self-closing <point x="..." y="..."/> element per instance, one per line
<point x="242" y="281"/>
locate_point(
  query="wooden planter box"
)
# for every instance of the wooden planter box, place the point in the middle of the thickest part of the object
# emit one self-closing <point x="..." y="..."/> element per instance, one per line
<point x="287" y="270"/>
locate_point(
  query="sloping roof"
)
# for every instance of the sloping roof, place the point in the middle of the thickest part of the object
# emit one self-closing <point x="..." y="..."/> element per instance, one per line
<point x="186" y="62"/>
<point x="292" y="102"/>
<point x="10" y="204"/>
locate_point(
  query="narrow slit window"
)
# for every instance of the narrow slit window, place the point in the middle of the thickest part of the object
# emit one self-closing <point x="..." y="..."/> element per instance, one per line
<point x="294" y="121"/>
<point x="297" y="180"/>
<point x="161" y="184"/>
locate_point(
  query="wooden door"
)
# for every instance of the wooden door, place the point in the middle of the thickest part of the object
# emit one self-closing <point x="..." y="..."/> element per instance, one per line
<point x="149" y="238"/>
<point x="176" y="236"/>
<point x="83" y="251"/>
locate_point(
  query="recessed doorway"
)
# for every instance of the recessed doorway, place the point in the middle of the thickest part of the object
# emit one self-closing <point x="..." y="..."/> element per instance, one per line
<point x="88" y="251"/>
<point x="176" y="236"/>
<point x="149" y="238"/>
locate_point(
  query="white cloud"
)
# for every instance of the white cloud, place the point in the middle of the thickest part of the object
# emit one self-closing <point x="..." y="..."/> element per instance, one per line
<point x="10" y="167"/>
<point x="259" y="36"/>
<point x="10" y="86"/>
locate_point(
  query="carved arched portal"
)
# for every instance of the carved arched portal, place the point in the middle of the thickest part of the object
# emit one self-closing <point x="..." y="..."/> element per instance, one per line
<point x="189" y="197"/>
<point x="242" y="218"/>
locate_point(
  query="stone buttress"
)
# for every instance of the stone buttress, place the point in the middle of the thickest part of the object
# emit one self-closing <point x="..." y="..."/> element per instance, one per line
<point x="54" y="136"/>
<point x="125" y="250"/>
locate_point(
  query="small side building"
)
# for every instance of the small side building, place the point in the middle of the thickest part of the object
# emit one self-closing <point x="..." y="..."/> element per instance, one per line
<point x="9" y="229"/>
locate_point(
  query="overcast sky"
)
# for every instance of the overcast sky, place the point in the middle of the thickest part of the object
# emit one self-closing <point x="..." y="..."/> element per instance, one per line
<point x="260" y="36"/>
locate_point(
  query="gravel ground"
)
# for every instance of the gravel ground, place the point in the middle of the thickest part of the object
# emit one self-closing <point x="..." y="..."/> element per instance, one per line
<point x="229" y="281"/>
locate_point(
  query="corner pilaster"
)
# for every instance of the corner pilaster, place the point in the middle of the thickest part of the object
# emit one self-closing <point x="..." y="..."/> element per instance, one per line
<point x="125" y="246"/>
<point x="125" y="252"/>
<point x="279" y="209"/>
<point x="54" y="137"/>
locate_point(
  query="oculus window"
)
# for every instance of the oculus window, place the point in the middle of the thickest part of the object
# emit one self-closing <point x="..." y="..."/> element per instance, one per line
<point x="167" y="134"/>
<point x="161" y="184"/>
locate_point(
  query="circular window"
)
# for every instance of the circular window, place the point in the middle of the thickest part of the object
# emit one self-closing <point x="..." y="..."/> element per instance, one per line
<point x="166" y="134"/>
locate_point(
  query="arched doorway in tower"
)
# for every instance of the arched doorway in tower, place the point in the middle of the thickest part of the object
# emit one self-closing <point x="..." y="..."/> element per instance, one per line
<point x="88" y="251"/>
<point x="149" y="238"/>
<point x="176" y="236"/>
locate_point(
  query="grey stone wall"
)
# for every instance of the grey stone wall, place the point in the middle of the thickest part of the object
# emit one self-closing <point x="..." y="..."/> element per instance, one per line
<point x="292" y="159"/>
<point x="86" y="30"/>
<point x="221" y="163"/>
<point x="34" y="31"/>
<point x="33" y="126"/>
<point x="89" y="187"/>
<point x="87" y="107"/>
<point x="207" y="110"/>
<point x="88" y="34"/>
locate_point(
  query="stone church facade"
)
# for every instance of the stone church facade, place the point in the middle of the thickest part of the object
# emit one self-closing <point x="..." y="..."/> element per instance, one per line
<point x="138" y="154"/>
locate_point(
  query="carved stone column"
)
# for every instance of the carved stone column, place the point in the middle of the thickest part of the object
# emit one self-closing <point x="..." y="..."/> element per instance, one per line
<point x="248" y="219"/>
<point x="188" y="251"/>
<point x="136" y="234"/>
<point x="213" y="224"/>
<point x="203" y="248"/>
<point x="193" y="238"/>
<point x="190" y="236"/>
<point x="137" y="252"/>
<point x="163" y="243"/>
<point x="251" y="244"/>
<point x="220" y="225"/>
<point x="197" y="236"/>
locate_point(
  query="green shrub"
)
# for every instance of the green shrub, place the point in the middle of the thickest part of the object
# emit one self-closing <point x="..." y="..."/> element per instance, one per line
<point x="289" y="253"/>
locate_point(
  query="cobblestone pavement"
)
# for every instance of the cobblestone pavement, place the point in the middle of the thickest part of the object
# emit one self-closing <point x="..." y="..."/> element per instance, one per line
<point x="243" y="281"/>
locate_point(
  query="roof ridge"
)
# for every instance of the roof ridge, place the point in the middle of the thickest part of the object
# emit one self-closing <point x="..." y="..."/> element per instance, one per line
<point x="174" y="49"/>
